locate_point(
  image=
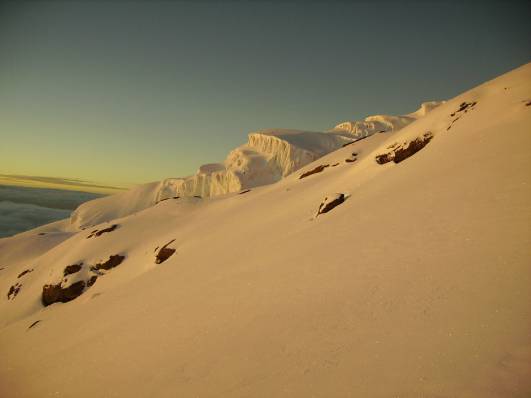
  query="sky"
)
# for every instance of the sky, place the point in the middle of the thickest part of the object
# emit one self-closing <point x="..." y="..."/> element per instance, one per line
<point x="111" y="94"/>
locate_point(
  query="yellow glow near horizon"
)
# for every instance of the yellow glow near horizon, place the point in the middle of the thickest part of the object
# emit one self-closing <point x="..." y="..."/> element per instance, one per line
<point x="32" y="183"/>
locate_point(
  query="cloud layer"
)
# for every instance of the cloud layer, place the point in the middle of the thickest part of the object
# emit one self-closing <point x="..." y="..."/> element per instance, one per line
<point x="67" y="182"/>
<point x="22" y="208"/>
<point x="20" y="217"/>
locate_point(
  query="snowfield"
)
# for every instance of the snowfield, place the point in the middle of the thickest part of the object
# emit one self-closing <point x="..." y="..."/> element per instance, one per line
<point x="398" y="265"/>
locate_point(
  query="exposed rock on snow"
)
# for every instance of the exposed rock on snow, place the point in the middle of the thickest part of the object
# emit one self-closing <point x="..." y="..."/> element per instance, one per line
<point x="404" y="151"/>
<point x="33" y="324"/>
<point x="72" y="269"/>
<point x="13" y="291"/>
<point x="330" y="202"/>
<point x="353" y="159"/>
<point x="315" y="170"/>
<point x="97" y="232"/>
<point x="27" y="271"/>
<point x="164" y="253"/>
<point x="58" y="294"/>
<point x="464" y="107"/>
<point x="113" y="261"/>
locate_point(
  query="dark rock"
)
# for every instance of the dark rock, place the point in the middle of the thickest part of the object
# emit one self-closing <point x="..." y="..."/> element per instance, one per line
<point x="198" y="197"/>
<point x="413" y="147"/>
<point x="316" y="170"/>
<point x="105" y="230"/>
<point x="464" y="107"/>
<point x="335" y="164"/>
<point x="97" y="233"/>
<point x="13" y="291"/>
<point x="385" y="158"/>
<point x="92" y="280"/>
<point x="176" y="197"/>
<point x="33" y="324"/>
<point x="348" y="143"/>
<point x="244" y="191"/>
<point x="41" y="233"/>
<point x="403" y="152"/>
<point x="72" y="269"/>
<point x="328" y="203"/>
<point x="58" y="294"/>
<point x="528" y="103"/>
<point x="350" y="160"/>
<point x="112" y="262"/>
<point x="24" y="273"/>
<point x="164" y="253"/>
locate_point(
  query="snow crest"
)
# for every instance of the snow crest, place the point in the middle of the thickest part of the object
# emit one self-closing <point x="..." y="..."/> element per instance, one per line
<point x="384" y="123"/>
<point x="268" y="156"/>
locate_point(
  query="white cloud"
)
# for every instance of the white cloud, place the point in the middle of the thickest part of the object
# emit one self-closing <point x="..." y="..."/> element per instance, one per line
<point x="19" y="217"/>
<point x="24" y="208"/>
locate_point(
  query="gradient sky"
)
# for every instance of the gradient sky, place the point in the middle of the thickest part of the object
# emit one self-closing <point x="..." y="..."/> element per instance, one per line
<point x="127" y="92"/>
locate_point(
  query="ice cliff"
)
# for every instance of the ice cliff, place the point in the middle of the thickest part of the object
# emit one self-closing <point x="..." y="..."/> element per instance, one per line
<point x="268" y="156"/>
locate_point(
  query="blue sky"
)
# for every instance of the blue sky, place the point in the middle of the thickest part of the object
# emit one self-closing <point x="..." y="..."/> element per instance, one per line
<point x="127" y="92"/>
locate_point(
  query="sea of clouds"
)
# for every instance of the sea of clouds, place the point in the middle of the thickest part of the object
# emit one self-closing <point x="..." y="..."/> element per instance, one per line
<point x="22" y="208"/>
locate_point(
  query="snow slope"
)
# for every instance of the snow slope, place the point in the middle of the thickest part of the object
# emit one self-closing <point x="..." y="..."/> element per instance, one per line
<point x="416" y="284"/>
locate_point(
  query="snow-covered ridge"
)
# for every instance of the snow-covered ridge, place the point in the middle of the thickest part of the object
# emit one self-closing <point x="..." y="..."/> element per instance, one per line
<point x="384" y="123"/>
<point x="268" y="156"/>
